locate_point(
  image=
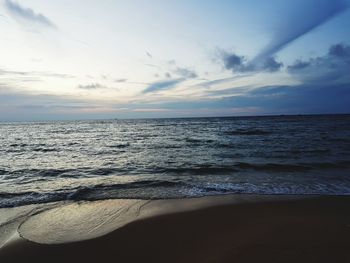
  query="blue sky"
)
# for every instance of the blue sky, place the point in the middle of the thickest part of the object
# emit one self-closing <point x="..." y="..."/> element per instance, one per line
<point x="88" y="59"/>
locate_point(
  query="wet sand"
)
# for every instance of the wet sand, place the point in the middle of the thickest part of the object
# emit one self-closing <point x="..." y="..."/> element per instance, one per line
<point x="237" y="228"/>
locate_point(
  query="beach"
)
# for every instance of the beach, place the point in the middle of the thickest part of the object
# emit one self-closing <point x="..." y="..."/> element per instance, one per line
<point x="232" y="228"/>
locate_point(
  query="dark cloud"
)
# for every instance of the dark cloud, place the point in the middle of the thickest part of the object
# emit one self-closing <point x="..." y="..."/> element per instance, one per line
<point x="238" y="63"/>
<point x="339" y="50"/>
<point x="300" y="99"/>
<point x="324" y="88"/>
<point x="270" y="64"/>
<point x="298" y="64"/>
<point x="330" y="68"/>
<point x="234" y="62"/>
<point x="93" y="86"/>
<point x="28" y="15"/>
<point x="163" y="85"/>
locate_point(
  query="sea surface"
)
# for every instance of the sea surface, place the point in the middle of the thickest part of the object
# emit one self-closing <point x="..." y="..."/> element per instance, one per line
<point x="173" y="158"/>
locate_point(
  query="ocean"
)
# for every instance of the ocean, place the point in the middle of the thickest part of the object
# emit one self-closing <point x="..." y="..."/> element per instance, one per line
<point x="173" y="158"/>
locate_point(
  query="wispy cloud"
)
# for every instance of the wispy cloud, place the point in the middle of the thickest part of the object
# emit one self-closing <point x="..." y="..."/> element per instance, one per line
<point x="163" y="85"/>
<point x="209" y="83"/>
<point x="151" y="110"/>
<point x="120" y="80"/>
<point x="27" y="15"/>
<point x="36" y="74"/>
<point x="185" y="72"/>
<point x="92" y="86"/>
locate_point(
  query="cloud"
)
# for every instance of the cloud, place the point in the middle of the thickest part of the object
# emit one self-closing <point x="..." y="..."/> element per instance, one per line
<point x="151" y="110"/>
<point x="234" y="62"/>
<point x="298" y="65"/>
<point x="163" y="85"/>
<point x="120" y="80"/>
<point x="270" y="64"/>
<point x="298" y="21"/>
<point x="151" y="65"/>
<point x="23" y="14"/>
<point x="209" y="83"/>
<point x="35" y="74"/>
<point x="300" y="99"/>
<point x="323" y="87"/>
<point x="340" y="50"/>
<point x="93" y="86"/>
<point x="185" y="72"/>
<point x="238" y="63"/>
<point x="292" y="25"/>
<point x="18" y="105"/>
<point x="334" y="67"/>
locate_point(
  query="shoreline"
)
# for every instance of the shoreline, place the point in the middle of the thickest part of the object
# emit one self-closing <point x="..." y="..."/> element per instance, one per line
<point x="229" y="228"/>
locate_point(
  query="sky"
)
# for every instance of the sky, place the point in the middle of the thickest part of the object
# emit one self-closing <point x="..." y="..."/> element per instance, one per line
<point x="88" y="59"/>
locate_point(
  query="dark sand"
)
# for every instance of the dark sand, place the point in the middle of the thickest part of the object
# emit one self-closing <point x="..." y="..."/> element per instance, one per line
<point x="256" y="229"/>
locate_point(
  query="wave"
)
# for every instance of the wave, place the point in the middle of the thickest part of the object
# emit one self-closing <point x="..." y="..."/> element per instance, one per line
<point x="38" y="174"/>
<point x="248" y="132"/>
<point x="271" y="167"/>
<point x="193" y="140"/>
<point x="121" y="145"/>
<point x="246" y="167"/>
<point x="165" y="189"/>
<point x="45" y="150"/>
<point x="18" y="145"/>
<point x="32" y="175"/>
<point x="201" y="170"/>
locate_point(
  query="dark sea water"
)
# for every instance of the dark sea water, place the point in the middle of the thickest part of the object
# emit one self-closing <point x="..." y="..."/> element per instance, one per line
<point x="173" y="158"/>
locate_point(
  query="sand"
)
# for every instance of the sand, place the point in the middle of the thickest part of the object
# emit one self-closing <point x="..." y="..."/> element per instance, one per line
<point x="236" y="228"/>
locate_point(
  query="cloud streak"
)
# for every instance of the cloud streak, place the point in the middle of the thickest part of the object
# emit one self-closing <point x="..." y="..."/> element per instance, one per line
<point x="120" y="80"/>
<point x="28" y="15"/>
<point x="35" y="74"/>
<point x="306" y="16"/>
<point x="93" y="86"/>
<point x="162" y="85"/>
<point x="294" y="24"/>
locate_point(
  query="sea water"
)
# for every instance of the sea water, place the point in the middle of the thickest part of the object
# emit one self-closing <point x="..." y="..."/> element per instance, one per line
<point x="173" y="158"/>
